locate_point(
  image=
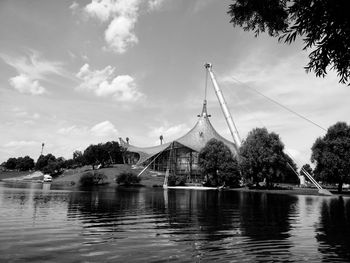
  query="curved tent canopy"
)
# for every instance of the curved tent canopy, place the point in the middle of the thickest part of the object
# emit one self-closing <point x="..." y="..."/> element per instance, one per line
<point x="195" y="139"/>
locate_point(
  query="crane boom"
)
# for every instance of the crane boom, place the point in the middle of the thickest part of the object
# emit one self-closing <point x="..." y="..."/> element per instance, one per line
<point x="224" y="108"/>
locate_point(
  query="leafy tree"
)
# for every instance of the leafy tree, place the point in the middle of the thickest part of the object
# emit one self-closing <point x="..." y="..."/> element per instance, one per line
<point x="103" y="154"/>
<point x="308" y="169"/>
<point x="78" y="158"/>
<point x="11" y="163"/>
<point x="288" y="172"/>
<point x="96" y="154"/>
<point x="218" y="164"/>
<point x="331" y="154"/>
<point x="25" y="163"/>
<point x="324" y="26"/>
<point x="262" y="157"/>
<point x="114" y="151"/>
<point x="44" y="160"/>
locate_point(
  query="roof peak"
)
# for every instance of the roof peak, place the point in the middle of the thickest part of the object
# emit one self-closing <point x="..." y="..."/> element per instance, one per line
<point x="204" y="110"/>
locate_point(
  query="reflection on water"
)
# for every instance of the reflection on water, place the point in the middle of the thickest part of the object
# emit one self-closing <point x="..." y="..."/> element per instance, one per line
<point x="333" y="230"/>
<point x="146" y="224"/>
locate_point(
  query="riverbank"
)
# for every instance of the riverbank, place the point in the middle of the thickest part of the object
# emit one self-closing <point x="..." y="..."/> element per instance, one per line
<point x="71" y="177"/>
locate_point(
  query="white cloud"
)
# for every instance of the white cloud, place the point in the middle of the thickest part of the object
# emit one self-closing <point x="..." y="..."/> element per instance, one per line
<point x="119" y="34"/>
<point x="33" y="65"/>
<point x="18" y="112"/>
<point x="100" y="9"/>
<point x="74" y="6"/>
<point x="72" y="130"/>
<point x="104" y="130"/>
<point x="104" y="83"/>
<point x="31" y="69"/>
<point x="18" y="144"/>
<point x="24" y="84"/>
<point x="155" y="4"/>
<point x="122" y="16"/>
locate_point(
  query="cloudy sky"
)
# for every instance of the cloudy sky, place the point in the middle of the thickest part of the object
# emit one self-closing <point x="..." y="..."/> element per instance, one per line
<point x="73" y="73"/>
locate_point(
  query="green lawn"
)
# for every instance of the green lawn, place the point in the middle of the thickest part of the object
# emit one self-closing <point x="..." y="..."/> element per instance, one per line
<point x="12" y="174"/>
<point x="72" y="177"/>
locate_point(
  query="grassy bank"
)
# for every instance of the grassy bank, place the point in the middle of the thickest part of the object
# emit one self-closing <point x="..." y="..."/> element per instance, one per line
<point x="12" y="174"/>
<point x="72" y="177"/>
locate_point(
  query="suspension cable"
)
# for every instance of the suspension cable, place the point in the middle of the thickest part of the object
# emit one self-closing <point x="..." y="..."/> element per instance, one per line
<point x="279" y="104"/>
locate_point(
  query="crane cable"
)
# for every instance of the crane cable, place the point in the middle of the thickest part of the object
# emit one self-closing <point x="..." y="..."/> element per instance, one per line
<point x="279" y="104"/>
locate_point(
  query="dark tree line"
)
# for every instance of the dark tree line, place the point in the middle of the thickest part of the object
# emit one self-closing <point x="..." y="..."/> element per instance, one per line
<point x="21" y="163"/>
<point x="100" y="154"/>
<point x="261" y="158"/>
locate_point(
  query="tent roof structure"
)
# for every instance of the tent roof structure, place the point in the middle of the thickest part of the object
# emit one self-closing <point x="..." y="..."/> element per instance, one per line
<point x="195" y="139"/>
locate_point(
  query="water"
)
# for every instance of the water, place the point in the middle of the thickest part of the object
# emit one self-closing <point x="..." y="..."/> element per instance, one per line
<point x="152" y="225"/>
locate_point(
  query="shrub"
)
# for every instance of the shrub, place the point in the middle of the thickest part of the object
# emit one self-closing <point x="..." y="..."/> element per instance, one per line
<point x="127" y="179"/>
<point x="176" y="180"/>
<point x="92" y="178"/>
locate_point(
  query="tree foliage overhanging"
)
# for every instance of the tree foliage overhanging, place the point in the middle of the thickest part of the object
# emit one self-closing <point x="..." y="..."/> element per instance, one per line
<point x="262" y="158"/>
<point x="324" y="26"/>
<point x="218" y="164"/>
<point x="331" y="154"/>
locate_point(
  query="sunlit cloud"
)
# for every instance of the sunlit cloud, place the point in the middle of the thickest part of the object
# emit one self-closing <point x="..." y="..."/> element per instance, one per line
<point x="122" y="16"/>
<point x="105" y="83"/>
<point x="31" y="70"/>
<point x="155" y="4"/>
<point x="104" y="130"/>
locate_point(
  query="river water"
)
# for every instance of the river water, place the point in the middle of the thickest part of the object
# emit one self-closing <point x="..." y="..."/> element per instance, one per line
<point x="39" y="224"/>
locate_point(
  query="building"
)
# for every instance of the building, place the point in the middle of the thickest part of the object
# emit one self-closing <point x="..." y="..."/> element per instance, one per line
<point x="181" y="155"/>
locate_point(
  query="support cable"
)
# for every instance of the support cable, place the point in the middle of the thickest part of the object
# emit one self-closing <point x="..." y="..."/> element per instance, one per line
<point x="279" y="104"/>
<point x="144" y="169"/>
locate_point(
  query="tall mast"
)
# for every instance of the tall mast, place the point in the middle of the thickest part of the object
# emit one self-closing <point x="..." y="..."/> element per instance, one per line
<point x="223" y="104"/>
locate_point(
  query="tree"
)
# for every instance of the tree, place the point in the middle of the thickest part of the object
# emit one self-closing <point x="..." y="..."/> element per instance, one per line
<point x="262" y="157"/>
<point x="44" y="160"/>
<point x="308" y="169"/>
<point x="324" y="26"/>
<point x="288" y="172"/>
<point x="78" y="158"/>
<point x="218" y="164"/>
<point x="96" y="154"/>
<point x="331" y="154"/>
<point x="114" y="151"/>
<point x="11" y="163"/>
<point x="25" y="163"/>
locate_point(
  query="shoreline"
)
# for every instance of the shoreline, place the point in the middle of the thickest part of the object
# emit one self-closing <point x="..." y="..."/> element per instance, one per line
<point x="70" y="179"/>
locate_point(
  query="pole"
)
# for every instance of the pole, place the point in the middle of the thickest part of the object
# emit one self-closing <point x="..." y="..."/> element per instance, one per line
<point x="224" y="108"/>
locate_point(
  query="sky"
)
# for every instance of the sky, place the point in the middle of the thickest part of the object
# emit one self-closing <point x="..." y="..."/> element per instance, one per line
<point x="75" y="73"/>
